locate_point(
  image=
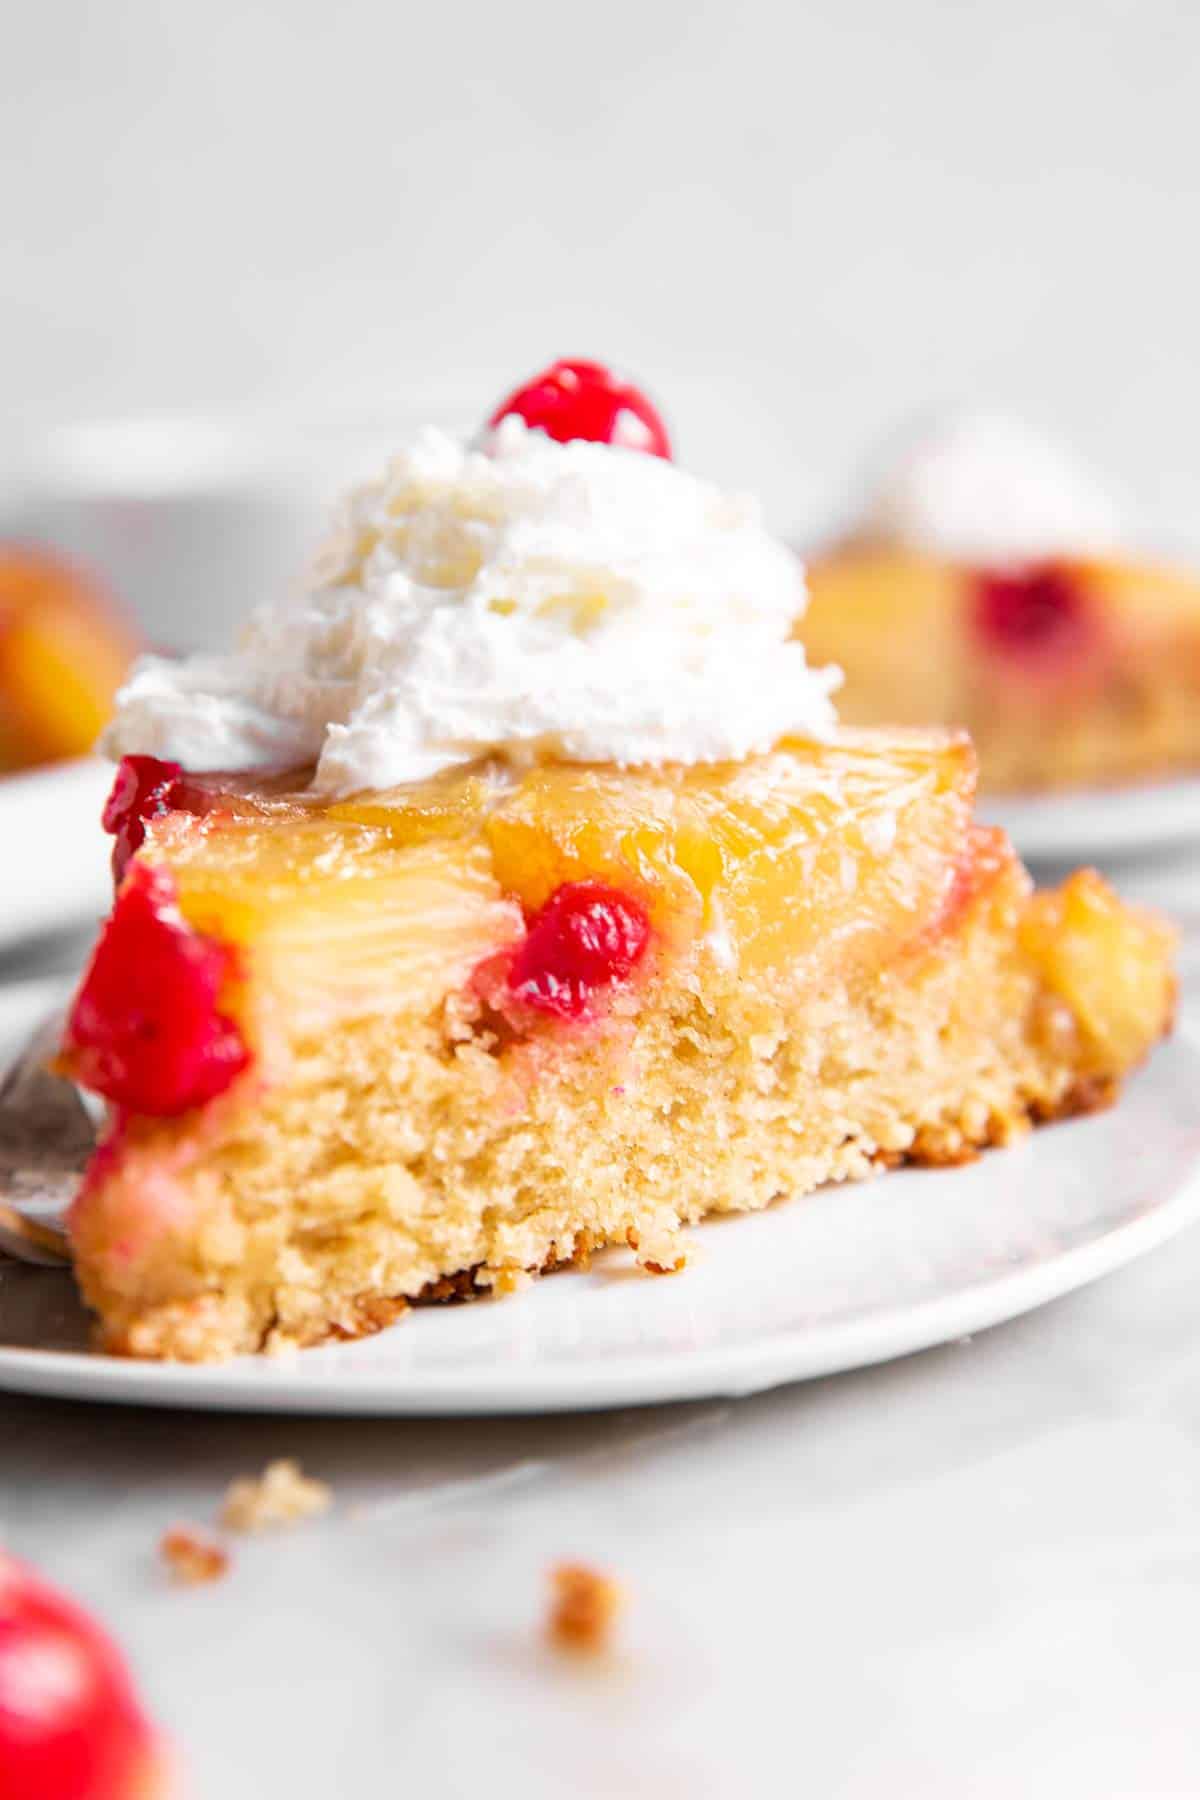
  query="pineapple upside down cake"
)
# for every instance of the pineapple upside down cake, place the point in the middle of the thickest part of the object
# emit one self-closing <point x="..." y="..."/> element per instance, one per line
<point x="989" y="586"/>
<point x="514" y="892"/>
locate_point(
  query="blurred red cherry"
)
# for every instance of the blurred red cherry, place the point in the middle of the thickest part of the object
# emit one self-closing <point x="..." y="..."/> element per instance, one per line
<point x="71" y="1727"/>
<point x="1037" y="615"/>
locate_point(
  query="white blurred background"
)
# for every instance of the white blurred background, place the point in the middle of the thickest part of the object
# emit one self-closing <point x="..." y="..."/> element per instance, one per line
<point x="798" y="224"/>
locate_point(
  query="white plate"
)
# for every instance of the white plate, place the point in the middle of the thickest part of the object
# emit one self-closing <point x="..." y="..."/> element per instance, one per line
<point x="846" y="1277"/>
<point x="1098" y="823"/>
<point x="56" y="858"/>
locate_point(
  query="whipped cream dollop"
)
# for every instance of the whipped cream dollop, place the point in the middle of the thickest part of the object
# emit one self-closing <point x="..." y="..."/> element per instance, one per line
<point x="521" y="596"/>
<point x="983" y="488"/>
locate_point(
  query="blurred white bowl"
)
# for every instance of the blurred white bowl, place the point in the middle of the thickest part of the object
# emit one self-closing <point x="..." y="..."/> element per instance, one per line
<point x="190" y="521"/>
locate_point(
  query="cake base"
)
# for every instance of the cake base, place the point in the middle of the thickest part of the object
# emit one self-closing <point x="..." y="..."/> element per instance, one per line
<point x="430" y="1157"/>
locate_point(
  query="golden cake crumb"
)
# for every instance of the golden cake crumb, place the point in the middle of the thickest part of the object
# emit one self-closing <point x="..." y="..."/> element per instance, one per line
<point x="281" y="1495"/>
<point x="583" y="1607"/>
<point x="191" y="1557"/>
<point x="652" y="1265"/>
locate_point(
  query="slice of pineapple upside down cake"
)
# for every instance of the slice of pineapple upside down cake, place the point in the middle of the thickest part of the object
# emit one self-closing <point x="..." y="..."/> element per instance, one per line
<point x="575" y="919"/>
<point x="424" y="1041"/>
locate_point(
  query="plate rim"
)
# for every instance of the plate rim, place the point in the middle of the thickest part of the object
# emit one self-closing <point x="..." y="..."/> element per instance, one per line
<point x="1064" y="825"/>
<point x="711" y="1373"/>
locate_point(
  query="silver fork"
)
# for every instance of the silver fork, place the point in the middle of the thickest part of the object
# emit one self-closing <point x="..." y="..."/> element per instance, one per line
<point x="47" y="1133"/>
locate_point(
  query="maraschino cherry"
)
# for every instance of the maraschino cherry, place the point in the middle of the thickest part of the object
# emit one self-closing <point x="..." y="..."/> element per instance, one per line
<point x="70" y="1724"/>
<point x="146" y="1030"/>
<point x="1037" y="615"/>
<point x="586" y="939"/>
<point x="144" y="788"/>
<point x="576" y="399"/>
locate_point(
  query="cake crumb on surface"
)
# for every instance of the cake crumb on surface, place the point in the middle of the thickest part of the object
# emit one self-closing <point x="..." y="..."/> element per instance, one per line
<point x="191" y="1557"/>
<point x="584" y="1604"/>
<point x="671" y="1258"/>
<point x="282" y="1495"/>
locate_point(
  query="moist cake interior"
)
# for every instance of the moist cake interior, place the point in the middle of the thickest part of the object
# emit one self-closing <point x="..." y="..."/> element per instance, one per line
<point x="792" y="970"/>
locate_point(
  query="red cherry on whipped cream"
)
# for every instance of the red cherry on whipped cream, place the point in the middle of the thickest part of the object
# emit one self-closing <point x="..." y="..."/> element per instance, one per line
<point x="144" y="788"/>
<point x="586" y="939"/>
<point x="577" y="399"/>
<point x="1038" y="615"/>
<point x="146" y="1030"/>
<point x="70" y="1724"/>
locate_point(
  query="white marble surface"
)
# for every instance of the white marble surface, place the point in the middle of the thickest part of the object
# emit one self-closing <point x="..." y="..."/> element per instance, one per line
<point x="976" y="1571"/>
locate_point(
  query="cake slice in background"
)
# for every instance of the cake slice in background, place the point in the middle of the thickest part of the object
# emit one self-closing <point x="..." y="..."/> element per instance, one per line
<point x="989" y="584"/>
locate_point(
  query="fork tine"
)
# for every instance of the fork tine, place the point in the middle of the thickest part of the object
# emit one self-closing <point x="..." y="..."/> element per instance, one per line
<point x="46" y="1135"/>
<point x="32" y="1240"/>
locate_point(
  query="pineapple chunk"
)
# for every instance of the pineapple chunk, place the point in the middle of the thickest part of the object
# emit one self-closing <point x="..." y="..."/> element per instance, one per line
<point x="327" y="906"/>
<point x="854" y="842"/>
<point x="1109" y="962"/>
<point x="449" y="805"/>
<point x="851" y="848"/>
